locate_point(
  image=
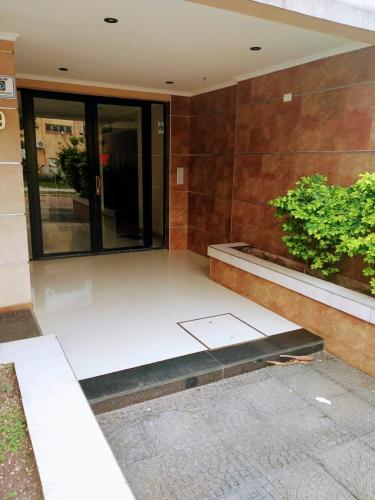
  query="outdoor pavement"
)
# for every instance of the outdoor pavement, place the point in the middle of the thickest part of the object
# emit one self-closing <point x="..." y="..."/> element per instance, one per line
<point x="261" y="435"/>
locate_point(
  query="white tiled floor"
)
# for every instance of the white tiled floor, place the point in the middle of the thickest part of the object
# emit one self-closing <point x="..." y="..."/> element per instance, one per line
<point x="112" y="312"/>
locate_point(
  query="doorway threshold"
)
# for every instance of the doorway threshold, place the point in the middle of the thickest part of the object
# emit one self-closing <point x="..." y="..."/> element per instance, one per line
<point x="135" y="385"/>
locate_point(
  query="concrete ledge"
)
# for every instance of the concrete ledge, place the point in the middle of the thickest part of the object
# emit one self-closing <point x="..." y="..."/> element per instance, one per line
<point x="345" y="300"/>
<point x="73" y="457"/>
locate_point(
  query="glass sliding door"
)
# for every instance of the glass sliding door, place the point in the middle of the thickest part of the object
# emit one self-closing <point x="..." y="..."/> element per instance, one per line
<point x="62" y="175"/>
<point x="121" y="175"/>
<point x="157" y="166"/>
<point x="95" y="173"/>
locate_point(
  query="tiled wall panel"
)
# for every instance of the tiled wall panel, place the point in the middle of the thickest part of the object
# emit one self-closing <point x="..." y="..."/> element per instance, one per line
<point x="241" y="146"/>
<point x="211" y="168"/>
<point x="180" y="157"/>
<point x="14" y="268"/>
<point x="328" y="128"/>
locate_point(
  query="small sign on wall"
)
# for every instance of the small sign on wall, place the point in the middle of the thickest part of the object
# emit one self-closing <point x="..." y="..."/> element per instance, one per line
<point x="7" y="87"/>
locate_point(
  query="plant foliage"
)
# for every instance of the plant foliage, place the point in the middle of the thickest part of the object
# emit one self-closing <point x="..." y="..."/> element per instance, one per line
<point x="323" y="223"/>
<point x="72" y="159"/>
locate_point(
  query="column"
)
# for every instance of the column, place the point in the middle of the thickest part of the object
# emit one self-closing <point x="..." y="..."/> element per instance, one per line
<point x="15" y="290"/>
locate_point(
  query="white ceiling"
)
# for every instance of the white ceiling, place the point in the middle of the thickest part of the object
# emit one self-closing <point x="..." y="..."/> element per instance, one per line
<point x="154" y="41"/>
<point x="364" y="4"/>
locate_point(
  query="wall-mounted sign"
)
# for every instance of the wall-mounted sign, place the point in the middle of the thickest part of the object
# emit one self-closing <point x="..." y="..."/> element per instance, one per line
<point x="160" y="127"/>
<point x="7" y="87"/>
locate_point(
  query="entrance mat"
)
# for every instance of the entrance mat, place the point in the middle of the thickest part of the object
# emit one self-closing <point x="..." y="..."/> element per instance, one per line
<point x="18" y="325"/>
<point x="135" y="385"/>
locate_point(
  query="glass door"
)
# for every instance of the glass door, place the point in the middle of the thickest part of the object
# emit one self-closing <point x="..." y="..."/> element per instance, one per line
<point x="58" y="174"/>
<point x="121" y="178"/>
<point x="95" y="173"/>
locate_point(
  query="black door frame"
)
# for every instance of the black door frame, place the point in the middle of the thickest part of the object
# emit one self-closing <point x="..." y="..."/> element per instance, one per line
<point x="92" y="147"/>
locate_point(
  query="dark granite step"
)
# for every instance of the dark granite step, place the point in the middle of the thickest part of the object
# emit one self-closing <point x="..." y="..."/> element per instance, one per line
<point x="119" y="389"/>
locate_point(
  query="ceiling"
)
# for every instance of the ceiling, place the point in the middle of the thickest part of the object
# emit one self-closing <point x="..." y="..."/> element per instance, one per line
<point x="364" y="4"/>
<point x="196" y="46"/>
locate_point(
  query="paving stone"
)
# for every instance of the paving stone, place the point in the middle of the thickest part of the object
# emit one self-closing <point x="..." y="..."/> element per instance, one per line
<point x="263" y="448"/>
<point x="353" y="465"/>
<point x="369" y="439"/>
<point x="308" y="481"/>
<point x="352" y="413"/>
<point x="311" y="430"/>
<point x="127" y="437"/>
<point x="207" y="471"/>
<point x="351" y="379"/>
<point x="254" y="489"/>
<point x="308" y="383"/>
<point x="261" y="435"/>
<point x="150" y="480"/>
<point x="231" y="413"/>
<point x="177" y="429"/>
<point x="270" y="396"/>
<point x="322" y="355"/>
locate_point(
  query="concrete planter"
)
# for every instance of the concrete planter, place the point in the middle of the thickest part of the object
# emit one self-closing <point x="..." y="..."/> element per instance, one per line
<point x="344" y="318"/>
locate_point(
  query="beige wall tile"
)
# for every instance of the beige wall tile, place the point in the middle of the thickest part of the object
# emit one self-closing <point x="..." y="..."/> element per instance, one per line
<point x="15" y="285"/>
<point x="10" y="143"/>
<point x="12" y="200"/>
<point x="346" y="337"/>
<point x="7" y="62"/>
<point x="14" y="239"/>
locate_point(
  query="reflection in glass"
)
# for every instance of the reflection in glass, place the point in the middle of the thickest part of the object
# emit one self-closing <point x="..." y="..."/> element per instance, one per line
<point x="62" y="175"/>
<point x="25" y="177"/>
<point x="157" y="149"/>
<point x="120" y="149"/>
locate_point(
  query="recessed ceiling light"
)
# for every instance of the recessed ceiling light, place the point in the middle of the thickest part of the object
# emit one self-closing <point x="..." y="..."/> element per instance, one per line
<point x="169" y="82"/>
<point x="111" y="20"/>
<point x="63" y="69"/>
<point x="255" y="48"/>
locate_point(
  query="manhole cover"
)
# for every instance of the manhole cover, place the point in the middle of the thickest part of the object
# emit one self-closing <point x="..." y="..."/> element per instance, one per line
<point x="220" y="331"/>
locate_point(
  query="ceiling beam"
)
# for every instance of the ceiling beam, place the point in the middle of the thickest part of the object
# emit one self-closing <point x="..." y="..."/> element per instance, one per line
<point x="307" y="16"/>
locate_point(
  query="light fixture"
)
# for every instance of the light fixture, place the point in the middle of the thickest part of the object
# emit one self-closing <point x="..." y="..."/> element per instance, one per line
<point x="255" y="48"/>
<point x="111" y="20"/>
<point x="169" y="82"/>
<point x="63" y="69"/>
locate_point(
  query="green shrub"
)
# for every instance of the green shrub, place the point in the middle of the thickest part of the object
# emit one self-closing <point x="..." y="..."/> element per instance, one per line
<point x="72" y="159"/>
<point x="322" y="223"/>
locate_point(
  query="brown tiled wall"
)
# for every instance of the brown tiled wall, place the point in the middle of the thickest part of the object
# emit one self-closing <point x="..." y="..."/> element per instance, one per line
<point x="328" y="128"/>
<point x="211" y="168"/>
<point x="346" y="337"/>
<point x="242" y="146"/>
<point x="180" y="156"/>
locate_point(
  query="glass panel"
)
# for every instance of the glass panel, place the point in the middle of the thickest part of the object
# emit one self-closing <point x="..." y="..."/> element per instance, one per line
<point x="120" y="149"/>
<point x="25" y="177"/>
<point x="63" y="175"/>
<point x="157" y="147"/>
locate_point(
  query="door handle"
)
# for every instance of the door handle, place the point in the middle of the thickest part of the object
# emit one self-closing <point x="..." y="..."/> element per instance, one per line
<point x="98" y="185"/>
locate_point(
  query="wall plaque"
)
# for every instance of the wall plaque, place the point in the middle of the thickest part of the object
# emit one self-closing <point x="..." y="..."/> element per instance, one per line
<point x="7" y="87"/>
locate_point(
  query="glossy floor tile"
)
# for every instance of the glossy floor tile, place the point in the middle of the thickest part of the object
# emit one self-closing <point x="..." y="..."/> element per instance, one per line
<point x="119" y="311"/>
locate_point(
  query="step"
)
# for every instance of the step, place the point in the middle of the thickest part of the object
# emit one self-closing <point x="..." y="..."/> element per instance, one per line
<point x="135" y="385"/>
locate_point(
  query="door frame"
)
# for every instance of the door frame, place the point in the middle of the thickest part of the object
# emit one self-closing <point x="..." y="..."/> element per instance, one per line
<point x="91" y="103"/>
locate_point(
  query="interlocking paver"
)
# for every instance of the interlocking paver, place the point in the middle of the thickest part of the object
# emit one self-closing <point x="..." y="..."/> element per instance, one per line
<point x="261" y="435"/>
<point x="353" y="465"/>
